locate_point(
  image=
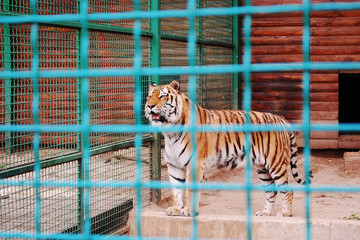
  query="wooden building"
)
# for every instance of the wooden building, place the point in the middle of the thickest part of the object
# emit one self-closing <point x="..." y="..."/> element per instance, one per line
<point x="335" y="37"/>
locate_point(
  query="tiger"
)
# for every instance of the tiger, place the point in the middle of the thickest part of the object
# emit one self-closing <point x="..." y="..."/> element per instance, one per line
<point x="270" y="151"/>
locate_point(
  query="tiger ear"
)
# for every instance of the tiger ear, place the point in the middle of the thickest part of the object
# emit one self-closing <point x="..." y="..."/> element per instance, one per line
<point x="152" y="86"/>
<point x="175" y="85"/>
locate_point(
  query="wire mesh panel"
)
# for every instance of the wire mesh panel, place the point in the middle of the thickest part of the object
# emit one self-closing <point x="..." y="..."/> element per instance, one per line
<point x="113" y="6"/>
<point x="175" y="26"/>
<point x="111" y="98"/>
<point x="57" y="50"/>
<point x="60" y="154"/>
<point x="46" y="7"/>
<point x="217" y="27"/>
<point x="59" y="204"/>
<point x="217" y="89"/>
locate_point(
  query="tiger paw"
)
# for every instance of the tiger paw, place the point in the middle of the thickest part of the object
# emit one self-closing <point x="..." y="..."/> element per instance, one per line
<point x="172" y="211"/>
<point x="262" y="213"/>
<point x="284" y="214"/>
<point x="188" y="212"/>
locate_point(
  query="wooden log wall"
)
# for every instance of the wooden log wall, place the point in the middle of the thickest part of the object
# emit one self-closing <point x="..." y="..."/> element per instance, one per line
<point x="277" y="38"/>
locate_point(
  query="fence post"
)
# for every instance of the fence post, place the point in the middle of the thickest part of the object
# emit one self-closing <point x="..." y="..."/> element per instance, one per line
<point x="8" y="86"/>
<point x="235" y="78"/>
<point x="200" y="51"/>
<point x="155" y="55"/>
<point x="155" y="168"/>
<point x="7" y="82"/>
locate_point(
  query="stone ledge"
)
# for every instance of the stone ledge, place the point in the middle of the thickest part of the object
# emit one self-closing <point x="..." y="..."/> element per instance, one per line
<point x="157" y="224"/>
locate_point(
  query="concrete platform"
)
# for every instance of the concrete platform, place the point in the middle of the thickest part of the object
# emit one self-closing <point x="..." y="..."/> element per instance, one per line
<point x="157" y="224"/>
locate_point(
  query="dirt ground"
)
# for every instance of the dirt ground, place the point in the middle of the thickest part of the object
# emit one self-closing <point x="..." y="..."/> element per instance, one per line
<point x="328" y="169"/>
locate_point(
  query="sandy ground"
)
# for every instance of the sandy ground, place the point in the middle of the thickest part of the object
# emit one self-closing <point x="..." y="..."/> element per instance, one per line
<point x="328" y="169"/>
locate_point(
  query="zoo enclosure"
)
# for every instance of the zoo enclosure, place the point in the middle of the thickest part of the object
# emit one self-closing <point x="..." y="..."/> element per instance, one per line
<point x="35" y="184"/>
<point x="30" y="157"/>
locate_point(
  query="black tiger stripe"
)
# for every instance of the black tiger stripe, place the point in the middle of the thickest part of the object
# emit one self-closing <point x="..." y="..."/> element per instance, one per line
<point x="228" y="136"/>
<point x="220" y="154"/>
<point x="278" y="166"/>
<point x="217" y="143"/>
<point x="206" y="145"/>
<point x="226" y="117"/>
<point x="255" y="142"/>
<point x="234" y="164"/>
<point x="235" y="149"/>
<point x="183" y="150"/>
<point x="217" y="114"/>
<point x="226" y="146"/>
<point x="265" y="119"/>
<point x="183" y="121"/>
<point x="174" y="166"/>
<point x="284" y="185"/>
<point x="185" y="165"/>
<point x="266" y="179"/>
<point x="199" y="113"/>
<point x="242" y="156"/>
<point x="254" y="154"/>
<point x="262" y="171"/>
<point x="205" y="115"/>
<point x="237" y="140"/>
<point x="182" y="140"/>
<point x="182" y="180"/>
<point x="261" y="142"/>
<point x="179" y="136"/>
<point x="280" y="176"/>
<point x="201" y="120"/>
<point x="293" y="164"/>
<point x="257" y="120"/>
<point x="273" y="160"/>
<point x="211" y="116"/>
<point x="242" y="117"/>
<point x="268" y="146"/>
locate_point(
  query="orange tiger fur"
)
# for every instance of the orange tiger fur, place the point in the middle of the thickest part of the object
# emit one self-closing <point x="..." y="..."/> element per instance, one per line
<point x="270" y="152"/>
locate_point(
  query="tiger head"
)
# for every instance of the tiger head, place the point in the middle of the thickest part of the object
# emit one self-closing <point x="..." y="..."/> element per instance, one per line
<point x="163" y="104"/>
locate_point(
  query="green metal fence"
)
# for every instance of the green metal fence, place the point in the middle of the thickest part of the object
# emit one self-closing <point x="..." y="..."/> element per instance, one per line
<point x="73" y="80"/>
<point x="47" y="169"/>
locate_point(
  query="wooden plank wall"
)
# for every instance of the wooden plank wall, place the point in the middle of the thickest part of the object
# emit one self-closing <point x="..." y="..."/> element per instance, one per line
<point x="277" y="38"/>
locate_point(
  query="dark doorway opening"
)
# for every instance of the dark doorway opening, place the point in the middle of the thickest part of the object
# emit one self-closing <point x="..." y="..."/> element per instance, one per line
<point x="349" y="98"/>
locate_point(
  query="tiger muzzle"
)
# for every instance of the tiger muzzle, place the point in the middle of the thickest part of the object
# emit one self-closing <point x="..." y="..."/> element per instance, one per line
<point x="157" y="117"/>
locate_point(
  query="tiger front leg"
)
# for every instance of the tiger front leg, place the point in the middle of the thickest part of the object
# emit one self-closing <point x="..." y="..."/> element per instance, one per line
<point x="175" y="209"/>
<point x="176" y="177"/>
<point x="188" y="210"/>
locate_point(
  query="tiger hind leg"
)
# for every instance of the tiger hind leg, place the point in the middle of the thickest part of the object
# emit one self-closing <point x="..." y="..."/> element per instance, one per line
<point x="281" y="181"/>
<point x="270" y="195"/>
<point x="287" y="198"/>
